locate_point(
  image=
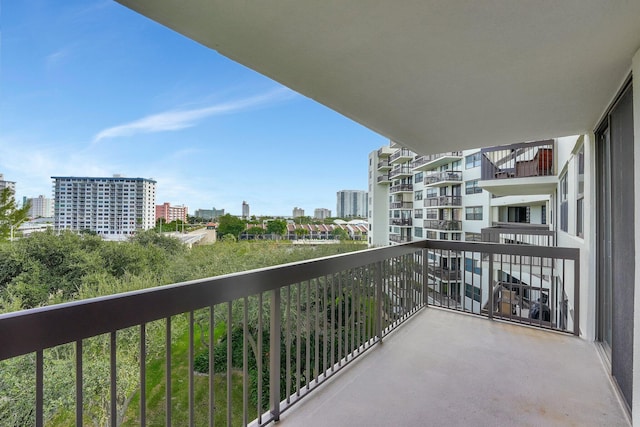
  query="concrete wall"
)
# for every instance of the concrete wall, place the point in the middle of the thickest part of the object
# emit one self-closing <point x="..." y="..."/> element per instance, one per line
<point x="636" y="315"/>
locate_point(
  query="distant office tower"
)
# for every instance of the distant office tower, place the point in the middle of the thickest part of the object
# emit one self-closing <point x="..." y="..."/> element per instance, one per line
<point x="7" y="184"/>
<point x="297" y="212"/>
<point x="41" y="207"/>
<point x="351" y="203"/>
<point x="245" y="209"/>
<point x="115" y="208"/>
<point x="321" y="213"/>
<point x="209" y="214"/>
<point x="171" y="213"/>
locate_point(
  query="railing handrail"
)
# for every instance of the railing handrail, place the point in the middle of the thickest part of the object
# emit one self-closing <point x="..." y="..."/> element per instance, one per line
<point x="58" y="324"/>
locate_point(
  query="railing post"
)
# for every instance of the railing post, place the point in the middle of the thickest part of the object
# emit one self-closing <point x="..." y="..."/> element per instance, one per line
<point x="576" y="295"/>
<point x="425" y="287"/>
<point x="490" y="287"/>
<point x="274" y="354"/>
<point x="379" y="300"/>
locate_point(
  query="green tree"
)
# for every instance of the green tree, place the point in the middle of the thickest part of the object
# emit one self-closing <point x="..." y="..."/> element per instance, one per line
<point x="256" y="230"/>
<point x="340" y="233"/>
<point x="277" y="227"/>
<point x="230" y="224"/>
<point x="10" y="216"/>
<point x="300" y="232"/>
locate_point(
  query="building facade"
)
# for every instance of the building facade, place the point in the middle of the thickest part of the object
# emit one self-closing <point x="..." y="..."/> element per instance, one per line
<point x="245" y="210"/>
<point x="209" y="214"/>
<point x="114" y="208"/>
<point x="297" y="212"/>
<point x="7" y="184"/>
<point x="321" y="213"/>
<point x="172" y="213"/>
<point x="351" y="204"/>
<point x="41" y="207"/>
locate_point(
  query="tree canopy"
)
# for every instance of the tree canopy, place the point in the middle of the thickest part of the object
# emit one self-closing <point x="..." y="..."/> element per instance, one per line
<point x="277" y="226"/>
<point x="229" y="224"/>
<point x="11" y="217"/>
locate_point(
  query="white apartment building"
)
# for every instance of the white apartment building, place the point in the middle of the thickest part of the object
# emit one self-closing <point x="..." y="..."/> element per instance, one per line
<point x="7" y="184"/>
<point x="115" y="208"/>
<point x="297" y="212"/>
<point x="41" y="207"/>
<point x="321" y="213"/>
<point x="351" y="203"/>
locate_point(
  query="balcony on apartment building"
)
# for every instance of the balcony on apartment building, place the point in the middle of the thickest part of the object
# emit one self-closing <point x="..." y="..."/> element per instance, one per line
<point x="401" y="188"/>
<point x="401" y="205"/>
<point x="428" y="162"/>
<point x="385" y="151"/>
<point x="519" y="233"/>
<point x="384" y="179"/>
<point x="443" y="224"/>
<point x="384" y="165"/>
<point x="403" y="222"/>
<point x="492" y="372"/>
<point x="401" y="155"/>
<point x="519" y="169"/>
<point x="399" y="238"/>
<point x="441" y="179"/>
<point x="443" y="202"/>
<point x="400" y="171"/>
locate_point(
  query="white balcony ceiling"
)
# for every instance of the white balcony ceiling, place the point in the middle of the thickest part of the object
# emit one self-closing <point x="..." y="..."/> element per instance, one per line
<point x="433" y="75"/>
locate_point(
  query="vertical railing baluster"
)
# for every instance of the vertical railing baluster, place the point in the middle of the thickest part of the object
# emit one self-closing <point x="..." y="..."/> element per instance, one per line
<point x="229" y="359"/>
<point x="191" y="385"/>
<point x="245" y="361"/>
<point x="325" y="335"/>
<point x="490" y="286"/>
<point x="316" y="312"/>
<point x="259" y="357"/>
<point x="288" y="345"/>
<point x="353" y="315"/>
<point x="274" y="354"/>
<point x="341" y="308"/>
<point x="79" y="383"/>
<point x="425" y="279"/>
<point x="39" y="388"/>
<point x="298" y="344"/>
<point x="113" y="373"/>
<point x="212" y="402"/>
<point x="143" y="374"/>
<point x="168" y="372"/>
<point x="576" y="294"/>
<point x="333" y="322"/>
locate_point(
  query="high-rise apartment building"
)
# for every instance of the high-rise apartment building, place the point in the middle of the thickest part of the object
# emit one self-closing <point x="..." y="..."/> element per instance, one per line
<point x="7" y="184"/>
<point x="351" y="204"/>
<point x="41" y="207"/>
<point x="297" y="212"/>
<point x="209" y="214"/>
<point x="171" y="213"/>
<point x="114" y="208"/>
<point x="245" y="210"/>
<point x="321" y="213"/>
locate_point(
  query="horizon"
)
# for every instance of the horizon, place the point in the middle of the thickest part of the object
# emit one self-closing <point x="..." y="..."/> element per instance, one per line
<point x="108" y="91"/>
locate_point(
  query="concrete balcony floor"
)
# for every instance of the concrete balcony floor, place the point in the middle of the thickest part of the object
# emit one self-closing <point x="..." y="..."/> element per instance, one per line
<point x="450" y="369"/>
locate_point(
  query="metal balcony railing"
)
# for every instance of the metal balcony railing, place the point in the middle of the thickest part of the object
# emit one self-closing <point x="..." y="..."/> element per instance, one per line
<point x="519" y="234"/>
<point x="406" y="222"/>
<point x="518" y="160"/>
<point x="401" y="205"/>
<point x="384" y="165"/>
<point x="401" y="188"/>
<point x="443" y="201"/>
<point x="443" y="224"/>
<point x="384" y="178"/>
<point x="297" y="325"/>
<point x="403" y="152"/>
<point x="398" y="238"/>
<point x="436" y="177"/>
<point x="400" y="170"/>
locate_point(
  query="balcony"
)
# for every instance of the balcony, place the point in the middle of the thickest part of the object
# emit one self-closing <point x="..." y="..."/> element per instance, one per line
<point x="402" y="188"/>
<point x="443" y="274"/>
<point x="425" y="163"/>
<point x="443" y="202"/>
<point x="519" y="233"/>
<point x="443" y="224"/>
<point x="400" y="171"/>
<point x="312" y="335"/>
<point x="397" y="238"/>
<point x="403" y="222"/>
<point x="385" y="152"/>
<point x="384" y="165"/>
<point x="401" y="155"/>
<point x="441" y="179"/>
<point x="519" y="169"/>
<point x="384" y="179"/>
<point x="401" y="205"/>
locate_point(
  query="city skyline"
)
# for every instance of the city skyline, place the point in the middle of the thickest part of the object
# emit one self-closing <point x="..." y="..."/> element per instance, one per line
<point x="109" y="92"/>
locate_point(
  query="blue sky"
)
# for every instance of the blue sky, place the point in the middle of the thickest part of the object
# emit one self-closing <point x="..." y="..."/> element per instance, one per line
<point x="91" y="88"/>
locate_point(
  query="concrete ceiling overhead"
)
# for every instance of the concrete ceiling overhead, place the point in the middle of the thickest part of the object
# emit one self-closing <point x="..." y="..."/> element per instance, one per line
<point x="433" y="75"/>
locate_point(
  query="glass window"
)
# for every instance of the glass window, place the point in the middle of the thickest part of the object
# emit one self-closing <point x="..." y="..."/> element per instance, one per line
<point x="472" y="160"/>
<point x="418" y="177"/>
<point x="473" y="213"/>
<point x="471" y="187"/>
<point x="472" y="237"/>
<point x="580" y="194"/>
<point x="417" y="231"/>
<point x="564" y="204"/>
<point x="417" y="195"/>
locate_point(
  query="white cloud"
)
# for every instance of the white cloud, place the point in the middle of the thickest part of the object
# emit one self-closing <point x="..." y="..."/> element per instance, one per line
<point x="180" y="119"/>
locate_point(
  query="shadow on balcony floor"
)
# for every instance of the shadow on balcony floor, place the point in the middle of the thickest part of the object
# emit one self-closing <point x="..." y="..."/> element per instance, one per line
<point x="444" y="368"/>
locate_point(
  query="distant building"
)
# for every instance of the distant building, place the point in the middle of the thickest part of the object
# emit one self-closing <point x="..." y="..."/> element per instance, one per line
<point x="351" y="203"/>
<point x="321" y="213"/>
<point x="41" y="207"/>
<point x="298" y="212"/>
<point x="209" y="214"/>
<point x="245" y="209"/>
<point x="171" y="213"/>
<point x="114" y="208"/>
<point x="7" y="184"/>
